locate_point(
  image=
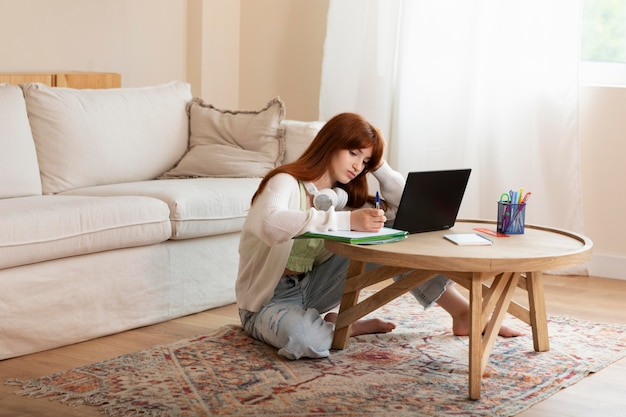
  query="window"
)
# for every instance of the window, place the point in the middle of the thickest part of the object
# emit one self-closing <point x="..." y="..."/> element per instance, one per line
<point x="603" y="43"/>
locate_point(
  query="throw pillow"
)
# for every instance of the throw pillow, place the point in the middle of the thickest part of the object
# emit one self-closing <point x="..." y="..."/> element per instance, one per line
<point x="19" y="169"/>
<point x="88" y="137"/>
<point x="225" y="143"/>
<point x="298" y="137"/>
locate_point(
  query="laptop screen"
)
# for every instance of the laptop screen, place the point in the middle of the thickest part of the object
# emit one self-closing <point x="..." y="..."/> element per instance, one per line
<point x="431" y="200"/>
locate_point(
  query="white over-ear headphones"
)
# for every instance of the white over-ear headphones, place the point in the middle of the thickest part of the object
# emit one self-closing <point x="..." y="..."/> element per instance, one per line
<point x="324" y="199"/>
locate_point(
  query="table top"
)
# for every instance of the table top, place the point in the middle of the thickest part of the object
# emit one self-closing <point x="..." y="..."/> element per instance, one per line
<point x="538" y="249"/>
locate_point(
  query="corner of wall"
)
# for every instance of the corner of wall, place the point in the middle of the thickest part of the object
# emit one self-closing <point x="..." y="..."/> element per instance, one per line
<point x="213" y="44"/>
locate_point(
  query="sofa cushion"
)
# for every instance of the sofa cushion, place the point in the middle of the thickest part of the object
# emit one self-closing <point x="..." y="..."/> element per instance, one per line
<point x="199" y="206"/>
<point x="19" y="171"/>
<point x="298" y="137"/>
<point x="41" y="228"/>
<point x="106" y="136"/>
<point x="226" y="143"/>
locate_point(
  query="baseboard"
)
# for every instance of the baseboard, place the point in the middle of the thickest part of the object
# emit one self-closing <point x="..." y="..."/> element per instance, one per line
<point x="607" y="266"/>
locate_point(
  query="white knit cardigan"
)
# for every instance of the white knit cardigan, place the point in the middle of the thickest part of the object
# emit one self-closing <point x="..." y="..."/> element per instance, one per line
<point x="275" y="219"/>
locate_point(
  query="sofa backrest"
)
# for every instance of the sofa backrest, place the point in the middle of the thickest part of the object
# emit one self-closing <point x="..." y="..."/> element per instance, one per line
<point x="298" y="136"/>
<point x="106" y="136"/>
<point x="19" y="172"/>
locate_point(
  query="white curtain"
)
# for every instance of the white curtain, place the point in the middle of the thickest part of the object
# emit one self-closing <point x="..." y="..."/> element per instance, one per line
<point x="487" y="84"/>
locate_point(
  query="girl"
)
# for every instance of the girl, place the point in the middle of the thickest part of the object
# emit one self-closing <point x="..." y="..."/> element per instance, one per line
<point x="284" y="283"/>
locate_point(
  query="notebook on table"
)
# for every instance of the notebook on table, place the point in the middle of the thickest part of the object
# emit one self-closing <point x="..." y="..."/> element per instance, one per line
<point x="431" y="200"/>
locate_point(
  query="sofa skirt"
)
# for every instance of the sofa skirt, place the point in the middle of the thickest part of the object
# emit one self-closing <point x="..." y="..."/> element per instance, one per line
<point x="57" y="303"/>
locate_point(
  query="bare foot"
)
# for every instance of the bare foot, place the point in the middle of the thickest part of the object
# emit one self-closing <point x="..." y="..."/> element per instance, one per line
<point x="458" y="307"/>
<point x="369" y="326"/>
<point x="460" y="327"/>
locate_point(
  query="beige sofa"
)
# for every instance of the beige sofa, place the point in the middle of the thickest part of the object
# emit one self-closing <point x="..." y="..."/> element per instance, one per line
<point x="121" y="208"/>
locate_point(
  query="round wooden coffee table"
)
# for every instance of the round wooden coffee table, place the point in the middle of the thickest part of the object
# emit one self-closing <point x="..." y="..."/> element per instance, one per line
<point x="490" y="273"/>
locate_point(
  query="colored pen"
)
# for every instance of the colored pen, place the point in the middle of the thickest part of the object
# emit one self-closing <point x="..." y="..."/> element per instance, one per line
<point x="377" y="200"/>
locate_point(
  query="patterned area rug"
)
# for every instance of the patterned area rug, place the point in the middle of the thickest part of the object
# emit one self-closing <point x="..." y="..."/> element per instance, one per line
<point x="419" y="369"/>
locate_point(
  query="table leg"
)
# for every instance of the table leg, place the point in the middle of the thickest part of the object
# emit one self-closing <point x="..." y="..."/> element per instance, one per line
<point x="475" y="338"/>
<point x="349" y="299"/>
<point x="492" y="309"/>
<point x="537" y="307"/>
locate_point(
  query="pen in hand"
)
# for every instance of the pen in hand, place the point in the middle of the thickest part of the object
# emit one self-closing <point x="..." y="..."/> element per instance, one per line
<point x="377" y="200"/>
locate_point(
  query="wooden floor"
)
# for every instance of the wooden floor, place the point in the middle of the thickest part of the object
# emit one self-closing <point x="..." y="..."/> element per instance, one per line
<point x="594" y="299"/>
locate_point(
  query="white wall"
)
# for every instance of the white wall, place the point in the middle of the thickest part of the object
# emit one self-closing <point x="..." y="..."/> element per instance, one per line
<point x="241" y="53"/>
<point x="235" y="53"/>
<point x="213" y="50"/>
<point x="147" y="41"/>
<point x="603" y="148"/>
<point x="142" y="39"/>
<point x="281" y="53"/>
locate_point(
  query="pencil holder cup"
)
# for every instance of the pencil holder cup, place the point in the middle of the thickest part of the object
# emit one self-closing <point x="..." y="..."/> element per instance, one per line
<point x="511" y="218"/>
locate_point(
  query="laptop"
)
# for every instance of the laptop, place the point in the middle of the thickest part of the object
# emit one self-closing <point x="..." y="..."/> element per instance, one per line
<point x="431" y="200"/>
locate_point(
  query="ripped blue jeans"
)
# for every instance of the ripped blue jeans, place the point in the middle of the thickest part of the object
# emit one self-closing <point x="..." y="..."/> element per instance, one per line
<point x="291" y="321"/>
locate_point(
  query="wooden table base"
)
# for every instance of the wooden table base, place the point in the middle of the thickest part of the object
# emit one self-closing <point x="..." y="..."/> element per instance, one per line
<point x="488" y="307"/>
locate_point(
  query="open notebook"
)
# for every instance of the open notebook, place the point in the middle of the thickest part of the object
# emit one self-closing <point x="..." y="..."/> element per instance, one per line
<point x="384" y="235"/>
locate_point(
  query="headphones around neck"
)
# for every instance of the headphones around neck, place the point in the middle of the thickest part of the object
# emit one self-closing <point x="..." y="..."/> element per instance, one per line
<point x="324" y="199"/>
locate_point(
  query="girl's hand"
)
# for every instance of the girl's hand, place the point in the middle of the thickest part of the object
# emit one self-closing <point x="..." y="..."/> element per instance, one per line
<point x="367" y="219"/>
<point x="382" y="160"/>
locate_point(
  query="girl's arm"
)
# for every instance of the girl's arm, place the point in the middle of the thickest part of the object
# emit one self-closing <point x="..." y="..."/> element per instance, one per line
<point x="278" y="216"/>
<point x="391" y="187"/>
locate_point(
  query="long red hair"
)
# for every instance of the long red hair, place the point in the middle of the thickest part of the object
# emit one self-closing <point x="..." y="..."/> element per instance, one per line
<point x="344" y="131"/>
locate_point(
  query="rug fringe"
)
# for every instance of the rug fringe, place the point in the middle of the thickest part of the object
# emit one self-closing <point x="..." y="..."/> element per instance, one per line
<point x="123" y="411"/>
<point x="36" y="390"/>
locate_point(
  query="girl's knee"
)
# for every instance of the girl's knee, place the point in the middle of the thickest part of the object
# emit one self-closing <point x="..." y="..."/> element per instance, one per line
<point x="306" y="336"/>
